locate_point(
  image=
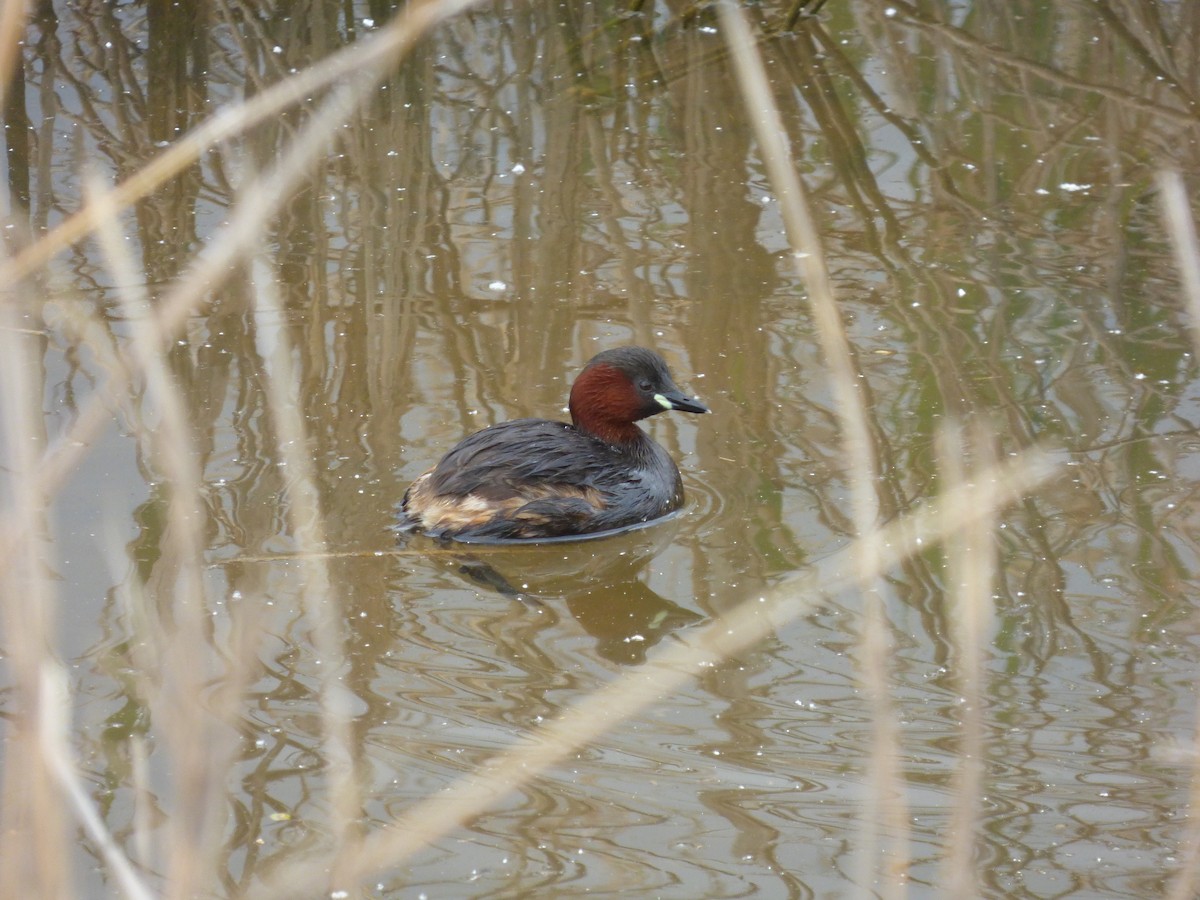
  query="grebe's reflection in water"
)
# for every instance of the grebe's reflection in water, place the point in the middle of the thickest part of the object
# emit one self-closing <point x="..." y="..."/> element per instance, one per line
<point x="596" y="575"/>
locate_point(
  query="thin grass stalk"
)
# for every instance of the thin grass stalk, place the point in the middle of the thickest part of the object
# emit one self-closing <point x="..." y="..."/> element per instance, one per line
<point x="258" y="202"/>
<point x="143" y="802"/>
<point x="971" y="569"/>
<point x="1181" y="228"/>
<point x="31" y="819"/>
<point x="882" y="867"/>
<point x="885" y="809"/>
<point x="322" y="604"/>
<point x="201" y="749"/>
<point x="747" y="624"/>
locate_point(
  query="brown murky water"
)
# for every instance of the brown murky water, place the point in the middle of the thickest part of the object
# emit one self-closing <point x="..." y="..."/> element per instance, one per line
<point x="541" y="181"/>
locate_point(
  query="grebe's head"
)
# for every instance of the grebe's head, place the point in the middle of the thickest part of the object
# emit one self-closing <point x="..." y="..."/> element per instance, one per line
<point x="618" y="387"/>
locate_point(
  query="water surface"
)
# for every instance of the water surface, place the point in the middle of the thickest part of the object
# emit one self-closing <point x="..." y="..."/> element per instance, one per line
<point x="538" y="182"/>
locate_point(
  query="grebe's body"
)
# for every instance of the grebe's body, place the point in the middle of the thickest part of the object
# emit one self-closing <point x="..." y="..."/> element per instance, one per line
<point x="533" y="478"/>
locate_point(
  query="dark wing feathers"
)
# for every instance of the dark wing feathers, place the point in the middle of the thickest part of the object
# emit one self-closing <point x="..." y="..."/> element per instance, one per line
<point x="514" y="458"/>
<point x="536" y="478"/>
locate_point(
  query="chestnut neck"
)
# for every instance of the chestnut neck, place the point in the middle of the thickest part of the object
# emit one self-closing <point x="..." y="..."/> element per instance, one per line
<point x="605" y="404"/>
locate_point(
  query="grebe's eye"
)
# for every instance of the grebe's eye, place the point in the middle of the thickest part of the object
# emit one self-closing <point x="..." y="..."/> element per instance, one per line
<point x="646" y="386"/>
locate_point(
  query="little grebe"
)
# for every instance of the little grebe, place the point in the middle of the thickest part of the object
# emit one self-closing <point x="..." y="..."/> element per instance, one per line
<point x="533" y="478"/>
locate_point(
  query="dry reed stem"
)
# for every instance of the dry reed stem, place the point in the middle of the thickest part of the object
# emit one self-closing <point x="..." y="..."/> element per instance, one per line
<point x="54" y="743"/>
<point x="31" y="820"/>
<point x="258" y="202"/>
<point x="374" y="54"/>
<point x="201" y="753"/>
<point x="1181" y="228"/>
<point x="885" y="810"/>
<point x="143" y="801"/>
<point x="971" y="569"/>
<point x="591" y="716"/>
<point x="322" y="604"/>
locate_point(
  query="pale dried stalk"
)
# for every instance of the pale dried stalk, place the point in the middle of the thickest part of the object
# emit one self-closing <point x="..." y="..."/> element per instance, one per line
<point x="971" y="572"/>
<point x="35" y="840"/>
<point x="885" y="810"/>
<point x="201" y="751"/>
<point x="883" y="838"/>
<point x="590" y="717"/>
<point x="143" y="802"/>
<point x="1181" y="228"/>
<point x="257" y="203"/>
<point x="55" y="748"/>
<point x="322" y="604"/>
